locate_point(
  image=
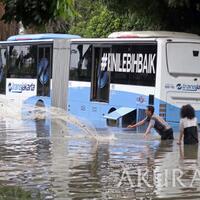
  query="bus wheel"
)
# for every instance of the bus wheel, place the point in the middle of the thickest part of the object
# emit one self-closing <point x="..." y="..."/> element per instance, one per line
<point x="111" y="122"/>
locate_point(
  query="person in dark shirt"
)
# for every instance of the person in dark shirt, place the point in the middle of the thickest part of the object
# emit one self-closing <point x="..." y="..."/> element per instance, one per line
<point x="156" y="122"/>
<point x="188" y="126"/>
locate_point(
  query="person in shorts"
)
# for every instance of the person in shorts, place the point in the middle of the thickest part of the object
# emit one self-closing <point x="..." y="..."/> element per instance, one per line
<point x="156" y="122"/>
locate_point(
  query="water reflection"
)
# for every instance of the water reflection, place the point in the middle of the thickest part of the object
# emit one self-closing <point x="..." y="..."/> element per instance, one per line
<point x="42" y="128"/>
<point x="38" y="156"/>
<point x="189" y="152"/>
<point x="43" y="143"/>
<point x="177" y="172"/>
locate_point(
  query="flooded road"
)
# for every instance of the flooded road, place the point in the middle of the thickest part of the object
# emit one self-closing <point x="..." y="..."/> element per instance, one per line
<point x="50" y="162"/>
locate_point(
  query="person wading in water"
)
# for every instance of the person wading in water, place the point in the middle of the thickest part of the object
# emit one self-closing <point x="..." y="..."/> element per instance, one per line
<point x="156" y="122"/>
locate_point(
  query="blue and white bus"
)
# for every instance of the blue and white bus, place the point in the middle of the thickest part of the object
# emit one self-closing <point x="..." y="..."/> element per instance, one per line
<point x="107" y="81"/>
<point x="26" y="66"/>
<point x="111" y="81"/>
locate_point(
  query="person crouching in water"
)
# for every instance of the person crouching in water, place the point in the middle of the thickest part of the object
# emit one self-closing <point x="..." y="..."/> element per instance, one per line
<point x="188" y="126"/>
<point x="156" y="122"/>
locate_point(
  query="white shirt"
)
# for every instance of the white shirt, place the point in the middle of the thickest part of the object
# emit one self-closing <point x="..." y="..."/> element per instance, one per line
<point x="186" y="123"/>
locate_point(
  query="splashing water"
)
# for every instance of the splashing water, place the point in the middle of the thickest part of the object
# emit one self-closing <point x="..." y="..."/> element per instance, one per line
<point x="59" y="116"/>
<point x="9" y="109"/>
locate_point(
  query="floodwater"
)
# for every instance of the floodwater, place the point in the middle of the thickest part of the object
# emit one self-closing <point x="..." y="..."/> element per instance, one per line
<point x="54" y="159"/>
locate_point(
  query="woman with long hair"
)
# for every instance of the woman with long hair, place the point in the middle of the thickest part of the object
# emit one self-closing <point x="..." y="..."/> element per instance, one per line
<point x="188" y="125"/>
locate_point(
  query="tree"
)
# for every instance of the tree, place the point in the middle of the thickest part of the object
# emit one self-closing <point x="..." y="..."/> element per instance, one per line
<point x="176" y="15"/>
<point x="104" y="18"/>
<point x="99" y="21"/>
<point x="98" y="18"/>
<point x="37" y="13"/>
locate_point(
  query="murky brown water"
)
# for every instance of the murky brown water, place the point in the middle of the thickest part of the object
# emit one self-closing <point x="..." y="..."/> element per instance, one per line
<point x="57" y="164"/>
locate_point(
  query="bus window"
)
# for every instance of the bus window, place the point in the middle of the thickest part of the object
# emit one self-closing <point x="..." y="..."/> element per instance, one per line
<point x="101" y="76"/>
<point x="2" y="71"/>
<point x="183" y="59"/>
<point x="21" y="61"/>
<point x="44" y="70"/>
<point x="81" y="62"/>
<point x="133" y="64"/>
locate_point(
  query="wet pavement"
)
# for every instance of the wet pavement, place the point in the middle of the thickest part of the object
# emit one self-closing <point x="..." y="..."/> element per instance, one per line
<point x="50" y="162"/>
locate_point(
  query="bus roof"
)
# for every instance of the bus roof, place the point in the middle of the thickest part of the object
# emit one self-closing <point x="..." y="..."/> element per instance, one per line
<point x="152" y="34"/>
<point x="42" y="36"/>
<point x="137" y="40"/>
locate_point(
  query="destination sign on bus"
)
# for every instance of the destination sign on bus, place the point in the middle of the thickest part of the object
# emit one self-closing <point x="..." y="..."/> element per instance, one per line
<point x="129" y="62"/>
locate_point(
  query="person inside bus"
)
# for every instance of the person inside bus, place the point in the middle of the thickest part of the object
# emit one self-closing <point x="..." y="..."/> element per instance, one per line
<point x="156" y="122"/>
<point x="188" y="126"/>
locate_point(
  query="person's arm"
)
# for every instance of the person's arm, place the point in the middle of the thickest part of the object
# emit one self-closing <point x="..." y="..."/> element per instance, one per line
<point x="140" y="123"/>
<point x="181" y="152"/>
<point x="180" y="138"/>
<point x="181" y="132"/>
<point x="150" y="126"/>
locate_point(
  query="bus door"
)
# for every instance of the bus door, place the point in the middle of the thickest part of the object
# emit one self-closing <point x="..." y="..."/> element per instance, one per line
<point x="100" y="75"/>
<point x="44" y="70"/>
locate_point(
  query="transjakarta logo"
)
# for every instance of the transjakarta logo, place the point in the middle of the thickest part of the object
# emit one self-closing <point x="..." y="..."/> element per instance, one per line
<point x="127" y="62"/>
<point x="19" y="88"/>
<point x="185" y="87"/>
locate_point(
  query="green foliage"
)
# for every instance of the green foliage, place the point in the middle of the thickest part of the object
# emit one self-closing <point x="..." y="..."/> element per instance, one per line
<point x="138" y="23"/>
<point x="100" y="23"/>
<point x="174" y="15"/>
<point x="64" y="9"/>
<point x="17" y="193"/>
<point x="37" y="13"/>
<point x="98" y="18"/>
<point x="119" y="16"/>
